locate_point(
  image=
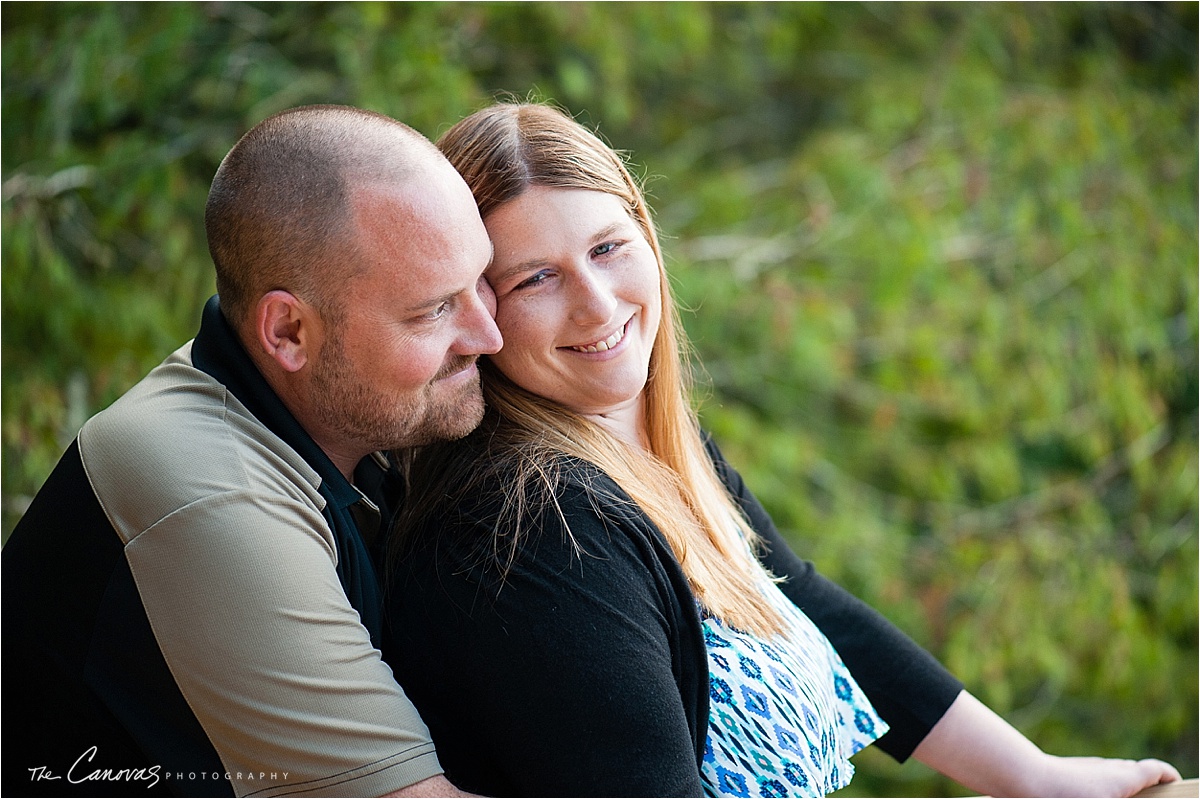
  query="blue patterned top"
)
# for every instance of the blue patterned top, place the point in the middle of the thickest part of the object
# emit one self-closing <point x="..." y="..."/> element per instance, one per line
<point x="785" y="715"/>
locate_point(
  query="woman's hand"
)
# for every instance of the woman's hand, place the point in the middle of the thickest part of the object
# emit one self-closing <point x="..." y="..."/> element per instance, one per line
<point x="1098" y="776"/>
<point x="977" y="748"/>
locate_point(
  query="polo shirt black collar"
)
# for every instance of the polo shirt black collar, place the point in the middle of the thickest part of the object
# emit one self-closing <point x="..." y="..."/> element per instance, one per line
<point x="356" y="518"/>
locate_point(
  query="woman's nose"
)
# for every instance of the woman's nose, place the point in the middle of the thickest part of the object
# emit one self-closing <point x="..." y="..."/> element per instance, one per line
<point x="593" y="300"/>
<point x="480" y="336"/>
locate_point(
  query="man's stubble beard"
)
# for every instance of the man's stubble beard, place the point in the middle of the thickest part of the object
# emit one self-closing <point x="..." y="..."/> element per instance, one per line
<point x="360" y="412"/>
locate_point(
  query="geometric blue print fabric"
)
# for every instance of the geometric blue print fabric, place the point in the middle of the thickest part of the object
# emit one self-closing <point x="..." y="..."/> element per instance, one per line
<point x="784" y="714"/>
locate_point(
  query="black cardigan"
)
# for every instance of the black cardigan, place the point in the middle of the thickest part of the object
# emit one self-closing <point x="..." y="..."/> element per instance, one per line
<point x="584" y="671"/>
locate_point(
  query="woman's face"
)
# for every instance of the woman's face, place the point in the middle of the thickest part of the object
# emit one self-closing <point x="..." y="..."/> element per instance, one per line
<point x="578" y="300"/>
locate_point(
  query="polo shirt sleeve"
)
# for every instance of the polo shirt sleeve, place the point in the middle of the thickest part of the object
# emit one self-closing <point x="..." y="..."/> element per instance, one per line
<point x="236" y="569"/>
<point x="907" y="686"/>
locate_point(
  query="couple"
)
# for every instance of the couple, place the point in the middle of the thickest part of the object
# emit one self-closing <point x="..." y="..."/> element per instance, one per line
<point x="582" y="596"/>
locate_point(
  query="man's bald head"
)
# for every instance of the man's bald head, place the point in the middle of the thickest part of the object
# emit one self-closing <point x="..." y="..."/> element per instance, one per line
<point x="278" y="213"/>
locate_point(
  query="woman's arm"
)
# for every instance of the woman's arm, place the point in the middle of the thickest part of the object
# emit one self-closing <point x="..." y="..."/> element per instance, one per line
<point x="567" y="682"/>
<point x="975" y="747"/>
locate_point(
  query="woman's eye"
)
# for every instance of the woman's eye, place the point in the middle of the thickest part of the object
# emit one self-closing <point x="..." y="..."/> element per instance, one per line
<point x="604" y="249"/>
<point x="533" y="279"/>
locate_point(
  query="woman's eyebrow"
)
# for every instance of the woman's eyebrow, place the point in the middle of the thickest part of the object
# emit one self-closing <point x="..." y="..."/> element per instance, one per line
<point x="607" y="230"/>
<point x="516" y="269"/>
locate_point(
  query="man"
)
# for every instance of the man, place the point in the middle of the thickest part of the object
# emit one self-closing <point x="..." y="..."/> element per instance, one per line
<point x="190" y="605"/>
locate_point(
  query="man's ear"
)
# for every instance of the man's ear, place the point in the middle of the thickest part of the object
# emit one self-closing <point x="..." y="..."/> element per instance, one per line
<point x="284" y="326"/>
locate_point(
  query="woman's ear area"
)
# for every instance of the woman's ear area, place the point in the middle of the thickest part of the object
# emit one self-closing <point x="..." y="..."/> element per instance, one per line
<point x="284" y="327"/>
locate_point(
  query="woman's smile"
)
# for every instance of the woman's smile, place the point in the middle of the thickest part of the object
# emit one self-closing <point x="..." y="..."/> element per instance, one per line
<point x="604" y="345"/>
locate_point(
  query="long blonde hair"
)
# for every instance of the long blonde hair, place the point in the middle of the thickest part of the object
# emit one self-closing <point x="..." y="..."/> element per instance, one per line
<point x="501" y="151"/>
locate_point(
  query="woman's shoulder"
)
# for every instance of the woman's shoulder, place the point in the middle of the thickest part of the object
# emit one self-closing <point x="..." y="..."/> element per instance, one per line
<point x="495" y="509"/>
<point x="561" y="496"/>
<point x="498" y="484"/>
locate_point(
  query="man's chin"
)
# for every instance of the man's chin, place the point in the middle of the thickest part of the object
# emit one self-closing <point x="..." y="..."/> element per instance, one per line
<point x="470" y="414"/>
<point x="451" y="422"/>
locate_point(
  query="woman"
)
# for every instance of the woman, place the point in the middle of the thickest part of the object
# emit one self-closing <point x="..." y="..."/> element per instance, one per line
<point x="585" y="598"/>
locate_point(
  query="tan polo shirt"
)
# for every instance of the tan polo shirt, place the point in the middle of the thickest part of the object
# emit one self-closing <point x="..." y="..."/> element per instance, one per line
<point x="236" y="567"/>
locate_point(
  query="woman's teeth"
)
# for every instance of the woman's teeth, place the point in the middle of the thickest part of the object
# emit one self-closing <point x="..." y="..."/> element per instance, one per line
<point x="603" y="346"/>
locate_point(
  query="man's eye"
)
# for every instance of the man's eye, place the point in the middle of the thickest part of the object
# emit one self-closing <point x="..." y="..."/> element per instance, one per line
<point x="437" y="312"/>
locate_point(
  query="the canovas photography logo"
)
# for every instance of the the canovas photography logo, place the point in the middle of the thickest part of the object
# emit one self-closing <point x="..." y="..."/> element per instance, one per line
<point x="82" y="771"/>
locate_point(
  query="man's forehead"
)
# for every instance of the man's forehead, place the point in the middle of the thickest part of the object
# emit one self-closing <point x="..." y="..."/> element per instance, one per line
<point x="427" y="236"/>
<point x="430" y="189"/>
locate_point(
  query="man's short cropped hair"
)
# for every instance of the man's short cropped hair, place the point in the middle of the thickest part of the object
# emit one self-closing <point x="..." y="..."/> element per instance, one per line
<point x="278" y="214"/>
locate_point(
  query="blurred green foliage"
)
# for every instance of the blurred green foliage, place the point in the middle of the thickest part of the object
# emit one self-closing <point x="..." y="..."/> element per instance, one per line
<point x="941" y="262"/>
